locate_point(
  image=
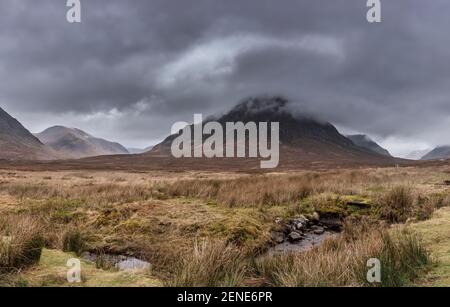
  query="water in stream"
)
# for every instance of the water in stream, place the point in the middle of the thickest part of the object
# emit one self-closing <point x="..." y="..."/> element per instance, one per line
<point x="120" y="262"/>
<point x="309" y="241"/>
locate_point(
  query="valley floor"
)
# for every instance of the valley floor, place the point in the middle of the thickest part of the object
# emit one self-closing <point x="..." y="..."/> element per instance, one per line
<point x="213" y="229"/>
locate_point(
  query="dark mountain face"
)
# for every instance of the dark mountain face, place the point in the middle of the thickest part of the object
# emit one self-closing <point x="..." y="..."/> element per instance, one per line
<point x="275" y="110"/>
<point x="439" y="153"/>
<point x="364" y="141"/>
<point x="16" y="142"/>
<point x="75" y="143"/>
<point x="301" y="137"/>
<point x="292" y="127"/>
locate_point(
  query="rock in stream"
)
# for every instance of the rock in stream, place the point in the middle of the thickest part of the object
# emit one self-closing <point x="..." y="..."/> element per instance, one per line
<point x="301" y="234"/>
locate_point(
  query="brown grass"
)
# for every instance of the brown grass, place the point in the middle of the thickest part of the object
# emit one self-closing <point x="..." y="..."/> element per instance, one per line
<point x="397" y="205"/>
<point x="21" y="243"/>
<point x="343" y="262"/>
<point x="211" y="264"/>
<point x="244" y="192"/>
<point x="402" y="203"/>
<point x="340" y="261"/>
<point x="160" y="216"/>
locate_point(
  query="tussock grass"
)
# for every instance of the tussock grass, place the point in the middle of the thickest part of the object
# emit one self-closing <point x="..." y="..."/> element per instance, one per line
<point x="401" y="203"/>
<point x="96" y="194"/>
<point x="159" y="217"/>
<point x="73" y="241"/>
<point x="243" y="192"/>
<point x="340" y="261"/>
<point x="397" y="205"/>
<point x="343" y="262"/>
<point x="211" y="264"/>
<point x="21" y="243"/>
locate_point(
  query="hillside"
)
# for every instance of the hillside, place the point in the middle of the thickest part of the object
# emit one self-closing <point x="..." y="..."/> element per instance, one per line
<point x="439" y="153"/>
<point x="75" y="143"/>
<point x="17" y="143"/>
<point x="366" y="142"/>
<point x="302" y="138"/>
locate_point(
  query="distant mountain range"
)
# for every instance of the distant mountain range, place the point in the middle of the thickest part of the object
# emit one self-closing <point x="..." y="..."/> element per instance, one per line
<point x="364" y="141"/>
<point x="75" y="143"/>
<point x="438" y="153"/>
<point x="17" y="143"/>
<point x="417" y="154"/>
<point x="303" y="139"/>
<point x="136" y="151"/>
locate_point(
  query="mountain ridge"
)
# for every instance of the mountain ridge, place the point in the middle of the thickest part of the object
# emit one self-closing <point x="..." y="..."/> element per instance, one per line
<point x="301" y="137"/>
<point x="438" y="153"/>
<point x="75" y="143"/>
<point x="16" y="142"/>
<point x="365" y="141"/>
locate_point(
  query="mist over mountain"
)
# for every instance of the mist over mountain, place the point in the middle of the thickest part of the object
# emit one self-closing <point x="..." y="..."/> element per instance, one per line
<point x="439" y="153"/>
<point x="364" y="141"/>
<point x="16" y="142"/>
<point x="302" y="137"/>
<point x="75" y="143"/>
<point x="135" y="151"/>
<point x="417" y="154"/>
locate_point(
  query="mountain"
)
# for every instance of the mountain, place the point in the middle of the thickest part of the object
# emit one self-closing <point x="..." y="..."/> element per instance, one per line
<point x="364" y="141"/>
<point x="136" y="151"/>
<point x="17" y="143"/>
<point x="439" y="153"/>
<point x="75" y="143"/>
<point x="303" y="139"/>
<point x="417" y="154"/>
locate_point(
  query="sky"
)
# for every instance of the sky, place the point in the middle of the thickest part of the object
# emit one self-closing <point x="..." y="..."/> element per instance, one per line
<point x="132" y="69"/>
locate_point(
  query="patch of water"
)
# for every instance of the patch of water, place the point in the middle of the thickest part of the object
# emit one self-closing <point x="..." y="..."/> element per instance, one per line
<point x="120" y="262"/>
<point x="131" y="264"/>
<point x="309" y="241"/>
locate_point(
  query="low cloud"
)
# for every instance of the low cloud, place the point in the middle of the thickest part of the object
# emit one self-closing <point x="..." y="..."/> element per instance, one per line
<point x="130" y="70"/>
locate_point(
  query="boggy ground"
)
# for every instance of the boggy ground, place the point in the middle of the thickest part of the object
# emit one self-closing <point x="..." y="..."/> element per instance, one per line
<point x="213" y="229"/>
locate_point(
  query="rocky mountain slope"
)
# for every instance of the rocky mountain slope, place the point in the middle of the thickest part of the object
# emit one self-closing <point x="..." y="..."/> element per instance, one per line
<point x="302" y="138"/>
<point x="439" y="153"/>
<point x="366" y="142"/>
<point x="17" y="143"/>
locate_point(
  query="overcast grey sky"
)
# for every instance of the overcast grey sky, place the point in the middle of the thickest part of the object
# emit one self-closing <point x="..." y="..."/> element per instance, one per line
<point x="133" y="68"/>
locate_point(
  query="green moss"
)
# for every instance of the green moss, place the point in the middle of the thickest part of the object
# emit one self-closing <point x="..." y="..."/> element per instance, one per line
<point x="135" y="224"/>
<point x="65" y="216"/>
<point x="336" y="205"/>
<point x="435" y="235"/>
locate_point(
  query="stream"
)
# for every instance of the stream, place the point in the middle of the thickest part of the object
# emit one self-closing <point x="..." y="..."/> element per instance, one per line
<point x="120" y="262"/>
<point x="302" y="234"/>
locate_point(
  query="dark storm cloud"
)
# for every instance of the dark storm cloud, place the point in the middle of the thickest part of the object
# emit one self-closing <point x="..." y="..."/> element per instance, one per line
<point x="134" y="67"/>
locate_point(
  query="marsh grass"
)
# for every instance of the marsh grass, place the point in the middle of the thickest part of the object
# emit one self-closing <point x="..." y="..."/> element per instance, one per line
<point x="242" y="192"/>
<point x="211" y="264"/>
<point x="342" y="262"/>
<point x="21" y="243"/>
<point x="401" y="203"/>
<point x="73" y="241"/>
<point x="229" y="216"/>
<point x="397" y="205"/>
